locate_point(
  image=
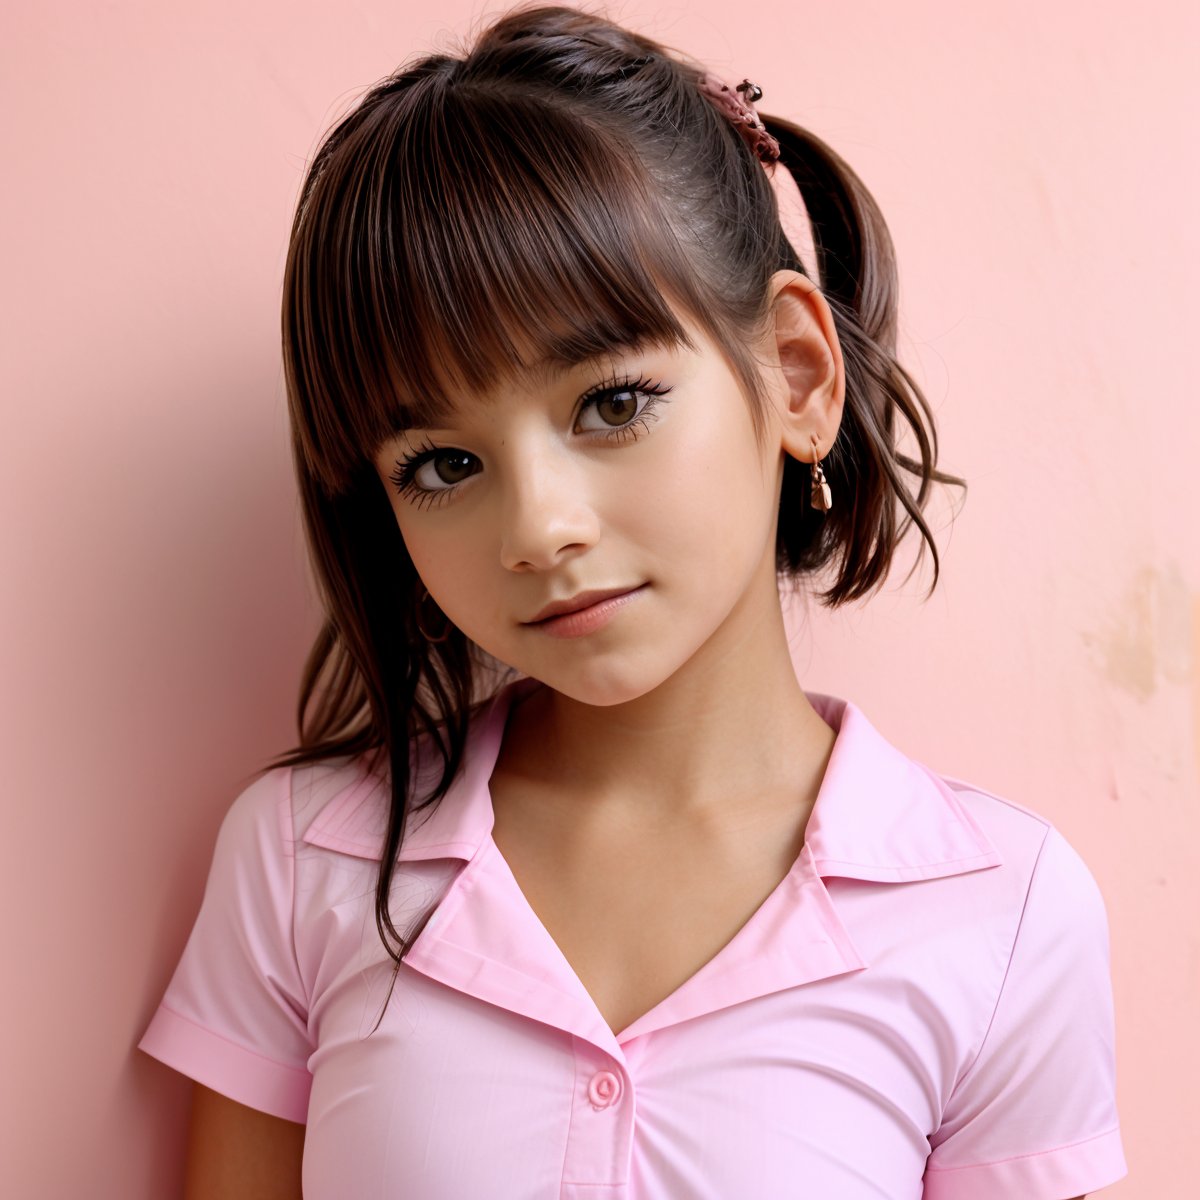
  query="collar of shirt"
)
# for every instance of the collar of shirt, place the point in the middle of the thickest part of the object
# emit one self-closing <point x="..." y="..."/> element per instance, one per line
<point x="879" y="816"/>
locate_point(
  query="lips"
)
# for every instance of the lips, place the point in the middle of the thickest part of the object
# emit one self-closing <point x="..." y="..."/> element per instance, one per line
<point x="556" y="608"/>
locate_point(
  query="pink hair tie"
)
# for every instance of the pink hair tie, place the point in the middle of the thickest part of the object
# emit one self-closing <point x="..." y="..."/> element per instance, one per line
<point x="793" y="213"/>
<point x="737" y="106"/>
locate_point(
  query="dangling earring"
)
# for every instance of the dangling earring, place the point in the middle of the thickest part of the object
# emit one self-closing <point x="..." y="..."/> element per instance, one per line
<point x="822" y="497"/>
<point x="441" y="637"/>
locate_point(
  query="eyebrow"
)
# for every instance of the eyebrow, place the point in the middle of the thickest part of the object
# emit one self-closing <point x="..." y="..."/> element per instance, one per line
<point x="560" y="360"/>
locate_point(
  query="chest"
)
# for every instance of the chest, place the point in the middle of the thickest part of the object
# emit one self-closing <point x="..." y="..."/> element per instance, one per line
<point x="636" y="913"/>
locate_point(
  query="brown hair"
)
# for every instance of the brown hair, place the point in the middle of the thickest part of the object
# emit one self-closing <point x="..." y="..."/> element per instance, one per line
<point x="550" y="193"/>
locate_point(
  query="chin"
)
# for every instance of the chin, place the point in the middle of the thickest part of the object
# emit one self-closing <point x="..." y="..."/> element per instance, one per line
<point x="603" y="684"/>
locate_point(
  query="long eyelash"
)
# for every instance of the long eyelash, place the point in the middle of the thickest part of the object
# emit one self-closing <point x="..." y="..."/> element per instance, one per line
<point x="404" y="474"/>
<point x="405" y="471"/>
<point x="621" y="433"/>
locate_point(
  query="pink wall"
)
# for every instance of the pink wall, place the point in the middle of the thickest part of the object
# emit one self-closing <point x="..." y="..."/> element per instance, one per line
<point x="1032" y="163"/>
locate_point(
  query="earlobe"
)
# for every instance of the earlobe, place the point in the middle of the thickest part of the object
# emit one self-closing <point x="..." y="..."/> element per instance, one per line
<point x="810" y="358"/>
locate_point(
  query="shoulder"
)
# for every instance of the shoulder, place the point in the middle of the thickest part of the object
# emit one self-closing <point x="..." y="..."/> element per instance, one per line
<point x="270" y="817"/>
<point x="1047" y="867"/>
<point x="260" y="814"/>
<point x="1003" y="819"/>
<point x="317" y="789"/>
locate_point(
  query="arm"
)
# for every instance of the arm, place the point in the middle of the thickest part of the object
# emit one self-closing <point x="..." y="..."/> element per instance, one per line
<point x="239" y="1153"/>
<point x="1034" y="1113"/>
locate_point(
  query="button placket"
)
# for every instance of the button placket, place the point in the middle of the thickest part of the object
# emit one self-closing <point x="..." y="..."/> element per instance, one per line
<point x="598" y="1155"/>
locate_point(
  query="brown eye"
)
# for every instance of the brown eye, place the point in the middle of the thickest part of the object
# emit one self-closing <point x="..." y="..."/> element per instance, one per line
<point x="432" y="474"/>
<point x="424" y="473"/>
<point x="459" y="467"/>
<point x="617" y="406"/>
<point x="621" y="405"/>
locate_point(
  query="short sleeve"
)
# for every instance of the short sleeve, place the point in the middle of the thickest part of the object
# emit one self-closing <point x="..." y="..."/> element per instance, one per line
<point x="235" y="1014"/>
<point x="1035" y="1113"/>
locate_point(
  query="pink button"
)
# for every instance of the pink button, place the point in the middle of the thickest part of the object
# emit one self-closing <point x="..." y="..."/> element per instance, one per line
<point x="604" y="1089"/>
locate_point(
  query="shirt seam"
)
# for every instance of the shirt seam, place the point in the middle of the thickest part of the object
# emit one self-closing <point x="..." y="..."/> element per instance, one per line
<point x="957" y="785"/>
<point x="230" y="1042"/>
<point x="1007" y="966"/>
<point x="999" y="1162"/>
<point x="562" y="1176"/>
<point x="287" y="800"/>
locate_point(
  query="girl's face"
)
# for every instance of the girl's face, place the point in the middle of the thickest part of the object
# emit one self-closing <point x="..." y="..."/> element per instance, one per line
<point x="638" y="472"/>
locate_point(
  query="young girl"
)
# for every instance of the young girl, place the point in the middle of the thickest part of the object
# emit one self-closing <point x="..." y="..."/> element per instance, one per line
<point x="570" y="889"/>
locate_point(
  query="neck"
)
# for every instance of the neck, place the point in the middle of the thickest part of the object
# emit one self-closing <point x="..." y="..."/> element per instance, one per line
<point x="729" y="732"/>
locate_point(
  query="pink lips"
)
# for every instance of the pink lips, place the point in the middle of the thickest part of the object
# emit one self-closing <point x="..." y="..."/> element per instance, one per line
<point x="594" y="615"/>
<point x="575" y="603"/>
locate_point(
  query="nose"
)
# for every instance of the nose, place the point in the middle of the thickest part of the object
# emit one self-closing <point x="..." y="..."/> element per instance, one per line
<point x="546" y="510"/>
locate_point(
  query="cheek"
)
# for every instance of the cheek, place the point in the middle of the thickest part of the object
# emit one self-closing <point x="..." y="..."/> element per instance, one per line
<point x="439" y="560"/>
<point x="707" y="489"/>
<point x="459" y="571"/>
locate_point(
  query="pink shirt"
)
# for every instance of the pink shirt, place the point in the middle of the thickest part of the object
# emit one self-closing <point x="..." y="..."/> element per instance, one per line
<point x="922" y="1007"/>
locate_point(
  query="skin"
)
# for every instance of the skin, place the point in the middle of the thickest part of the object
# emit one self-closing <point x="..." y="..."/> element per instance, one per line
<point x="680" y="684"/>
<point x="235" y="1152"/>
<point x="696" y="669"/>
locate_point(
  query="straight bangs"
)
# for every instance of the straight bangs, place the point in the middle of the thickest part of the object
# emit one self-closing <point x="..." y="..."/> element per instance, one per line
<point x="456" y="239"/>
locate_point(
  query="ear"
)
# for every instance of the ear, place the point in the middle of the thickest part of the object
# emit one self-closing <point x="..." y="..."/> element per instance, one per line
<point x="808" y="358"/>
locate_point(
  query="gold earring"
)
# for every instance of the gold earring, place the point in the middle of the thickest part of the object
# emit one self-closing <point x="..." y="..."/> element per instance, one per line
<point x="822" y="497"/>
<point x="441" y="637"/>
